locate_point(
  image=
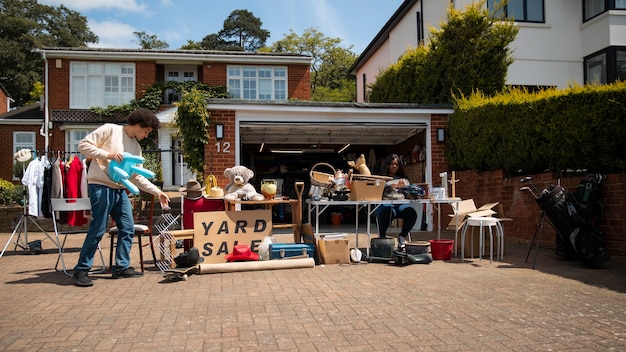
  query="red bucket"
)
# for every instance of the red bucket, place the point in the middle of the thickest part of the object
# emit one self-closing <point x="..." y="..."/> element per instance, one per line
<point x="441" y="249"/>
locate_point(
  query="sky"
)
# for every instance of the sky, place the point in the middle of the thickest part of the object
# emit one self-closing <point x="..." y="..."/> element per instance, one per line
<point x="356" y="22"/>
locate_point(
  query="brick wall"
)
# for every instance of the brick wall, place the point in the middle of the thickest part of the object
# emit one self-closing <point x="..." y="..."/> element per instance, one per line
<point x="438" y="153"/>
<point x="220" y="154"/>
<point x="486" y="187"/>
<point x="6" y="153"/>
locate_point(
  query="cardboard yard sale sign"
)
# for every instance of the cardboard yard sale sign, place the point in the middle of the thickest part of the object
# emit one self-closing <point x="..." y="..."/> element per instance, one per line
<point x="217" y="232"/>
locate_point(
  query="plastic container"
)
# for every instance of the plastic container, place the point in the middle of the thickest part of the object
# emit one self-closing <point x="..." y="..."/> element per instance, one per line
<point x="336" y="218"/>
<point x="441" y="249"/>
<point x="417" y="247"/>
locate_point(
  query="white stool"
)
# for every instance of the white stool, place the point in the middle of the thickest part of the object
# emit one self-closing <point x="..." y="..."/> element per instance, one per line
<point x="482" y="222"/>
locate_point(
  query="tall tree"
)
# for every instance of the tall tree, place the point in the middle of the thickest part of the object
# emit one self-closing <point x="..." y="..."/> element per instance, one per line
<point x="149" y="41"/>
<point x="242" y="32"/>
<point x="330" y="64"/>
<point x="26" y="25"/>
<point x="469" y="53"/>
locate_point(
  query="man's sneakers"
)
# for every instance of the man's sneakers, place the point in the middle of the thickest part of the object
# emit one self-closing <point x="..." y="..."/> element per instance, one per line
<point x="82" y="279"/>
<point x="126" y="273"/>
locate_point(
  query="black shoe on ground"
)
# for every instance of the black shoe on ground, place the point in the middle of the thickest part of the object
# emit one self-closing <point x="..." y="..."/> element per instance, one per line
<point x="82" y="279"/>
<point x="126" y="273"/>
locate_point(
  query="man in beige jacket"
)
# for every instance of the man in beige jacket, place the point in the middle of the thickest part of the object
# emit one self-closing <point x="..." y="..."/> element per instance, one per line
<point x="109" y="142"/>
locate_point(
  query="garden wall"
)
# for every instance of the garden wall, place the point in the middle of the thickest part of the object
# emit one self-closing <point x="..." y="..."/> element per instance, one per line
<point x="493" y="186"/>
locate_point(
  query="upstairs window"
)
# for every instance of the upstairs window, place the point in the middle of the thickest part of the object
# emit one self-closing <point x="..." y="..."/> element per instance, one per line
<point x="99" y="84"/>
<point x="257" y="82"/>
<point x="520" y="10"/>
<point x="592" y="8"/>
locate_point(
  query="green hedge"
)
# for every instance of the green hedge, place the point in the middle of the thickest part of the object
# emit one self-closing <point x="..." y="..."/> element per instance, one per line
<point x="9" y="193"/>
<point x="579" y="128"/>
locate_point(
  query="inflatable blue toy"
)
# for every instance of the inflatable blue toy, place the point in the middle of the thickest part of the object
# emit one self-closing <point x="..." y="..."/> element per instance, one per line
<point x="121" y="172"/>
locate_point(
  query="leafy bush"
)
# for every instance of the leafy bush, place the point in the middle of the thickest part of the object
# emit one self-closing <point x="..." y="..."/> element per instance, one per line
<point x="9" y="193"/>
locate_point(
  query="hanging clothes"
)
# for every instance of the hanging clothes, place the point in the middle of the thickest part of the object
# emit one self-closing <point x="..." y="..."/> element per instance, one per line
<point x="33" y="178"/>
<point x="46" y="205"/>
<point x="73" y="186"/>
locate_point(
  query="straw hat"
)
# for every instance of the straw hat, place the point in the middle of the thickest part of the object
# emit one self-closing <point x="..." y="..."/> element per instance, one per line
<point x="193" y="189"/>
<point x="241" y="252"/>
<point x="23" y="155"/>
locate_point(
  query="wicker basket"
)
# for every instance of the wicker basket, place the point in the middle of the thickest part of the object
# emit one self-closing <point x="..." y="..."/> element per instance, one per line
<point x="322" y="179"/>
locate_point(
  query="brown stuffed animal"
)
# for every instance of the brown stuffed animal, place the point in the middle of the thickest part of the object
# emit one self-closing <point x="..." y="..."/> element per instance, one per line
<point x="360" y="166"/>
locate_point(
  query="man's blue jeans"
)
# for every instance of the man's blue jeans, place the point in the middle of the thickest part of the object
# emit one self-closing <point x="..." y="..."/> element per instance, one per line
<point x="107" y="201"/>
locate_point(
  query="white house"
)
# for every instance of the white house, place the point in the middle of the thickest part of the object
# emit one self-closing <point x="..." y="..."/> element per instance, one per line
<point x="559" y="41"/>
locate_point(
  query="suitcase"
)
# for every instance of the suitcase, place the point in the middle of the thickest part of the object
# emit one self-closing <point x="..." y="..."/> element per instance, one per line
<point x="289" y="250"/>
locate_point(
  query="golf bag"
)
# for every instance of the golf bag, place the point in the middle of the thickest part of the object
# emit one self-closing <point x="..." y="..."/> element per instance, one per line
<point x="576" y="239"/>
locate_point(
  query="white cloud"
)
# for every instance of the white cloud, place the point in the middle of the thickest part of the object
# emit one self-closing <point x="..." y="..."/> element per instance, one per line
<point x="113" y="34"/>
<point x="88" y="5"/>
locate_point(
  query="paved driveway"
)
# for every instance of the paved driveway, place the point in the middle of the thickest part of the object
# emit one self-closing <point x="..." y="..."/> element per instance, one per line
<point x="442" y="306"/>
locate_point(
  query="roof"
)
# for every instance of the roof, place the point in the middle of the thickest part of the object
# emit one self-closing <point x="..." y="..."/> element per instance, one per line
<point x="28" y="112"/>
<point x="382" y="35"/>
<point x="173" y="56"/>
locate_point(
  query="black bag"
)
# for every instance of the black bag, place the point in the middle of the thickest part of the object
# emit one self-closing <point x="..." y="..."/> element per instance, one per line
<point x="559" y="208"/>
<point x="587" y="196"/>
<point x="590" y="245"/>
<point x="35" y="247"/>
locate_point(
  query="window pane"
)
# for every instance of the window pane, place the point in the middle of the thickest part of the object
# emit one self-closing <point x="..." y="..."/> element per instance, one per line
<point x="515" y="9"/>
<point x="596" y="69"/>
<point x="621" y="64"/>
<point x="249" y="72"/>
<point x="534" y="10"/>
<point x="234" y="88"/>
<point x="280" y="91"/>
<point x="265" y="89"/>
<point x="593" y="7"/>
<point x="282" y="72"/>
<point x="620" y="4"/>
<point x="234" y="71"/>
<point x="249" y="88"/>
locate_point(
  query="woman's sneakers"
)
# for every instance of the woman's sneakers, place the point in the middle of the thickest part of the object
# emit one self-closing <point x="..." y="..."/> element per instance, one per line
<point x="401" y="242"/>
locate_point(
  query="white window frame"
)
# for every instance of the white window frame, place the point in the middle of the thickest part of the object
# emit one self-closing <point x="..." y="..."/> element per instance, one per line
<point x="257" y="82"/>
<point x="524" y="6"/>
<point x="19" y="144"/>
<point x="100" y="84"/>
<point x="72" y="137"/>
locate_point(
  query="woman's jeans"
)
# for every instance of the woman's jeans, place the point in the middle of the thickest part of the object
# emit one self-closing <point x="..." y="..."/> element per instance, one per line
<point x="386" y="212"/>
<point x="107" y="201"/>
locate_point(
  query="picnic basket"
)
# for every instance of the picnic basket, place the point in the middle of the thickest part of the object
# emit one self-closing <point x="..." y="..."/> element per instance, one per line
<point x="322" y="179"/>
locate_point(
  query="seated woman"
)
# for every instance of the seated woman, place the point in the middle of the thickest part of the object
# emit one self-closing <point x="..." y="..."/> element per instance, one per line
<point x="386" y="212"/>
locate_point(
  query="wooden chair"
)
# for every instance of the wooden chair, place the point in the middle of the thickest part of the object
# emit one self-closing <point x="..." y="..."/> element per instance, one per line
<point x="141" y="229"/>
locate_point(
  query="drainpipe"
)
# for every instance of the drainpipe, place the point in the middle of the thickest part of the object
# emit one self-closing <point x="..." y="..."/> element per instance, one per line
<point x="44" y="131"/>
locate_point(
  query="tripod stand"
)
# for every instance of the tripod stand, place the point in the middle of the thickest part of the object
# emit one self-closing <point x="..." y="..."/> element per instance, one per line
<point x="22" y="224"/>
<point x="539" y="232"/>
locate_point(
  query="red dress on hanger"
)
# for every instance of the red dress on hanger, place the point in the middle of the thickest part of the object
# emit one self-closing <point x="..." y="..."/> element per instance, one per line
<point x="72" y="190"/>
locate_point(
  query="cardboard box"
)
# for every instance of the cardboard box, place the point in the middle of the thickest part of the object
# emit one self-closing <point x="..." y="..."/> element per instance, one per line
<point x="467" y="208"/>
<point x="366" y="189"/>
<point x="333" y="251"/>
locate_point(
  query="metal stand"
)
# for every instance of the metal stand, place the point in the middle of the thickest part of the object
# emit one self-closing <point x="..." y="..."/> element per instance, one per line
<point x="539" y="232"/>
<point x="22" y="227"/>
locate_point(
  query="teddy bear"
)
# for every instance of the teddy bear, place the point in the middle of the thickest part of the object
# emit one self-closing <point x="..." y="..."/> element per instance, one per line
<point x="239" y="187"/>
<point x="360" y="165"/>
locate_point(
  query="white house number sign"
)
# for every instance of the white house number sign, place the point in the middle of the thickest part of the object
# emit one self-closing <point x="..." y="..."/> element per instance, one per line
<point x="223" y="147"/>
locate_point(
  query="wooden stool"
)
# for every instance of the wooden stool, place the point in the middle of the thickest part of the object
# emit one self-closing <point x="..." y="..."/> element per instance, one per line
<point x="140" y="230"/>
